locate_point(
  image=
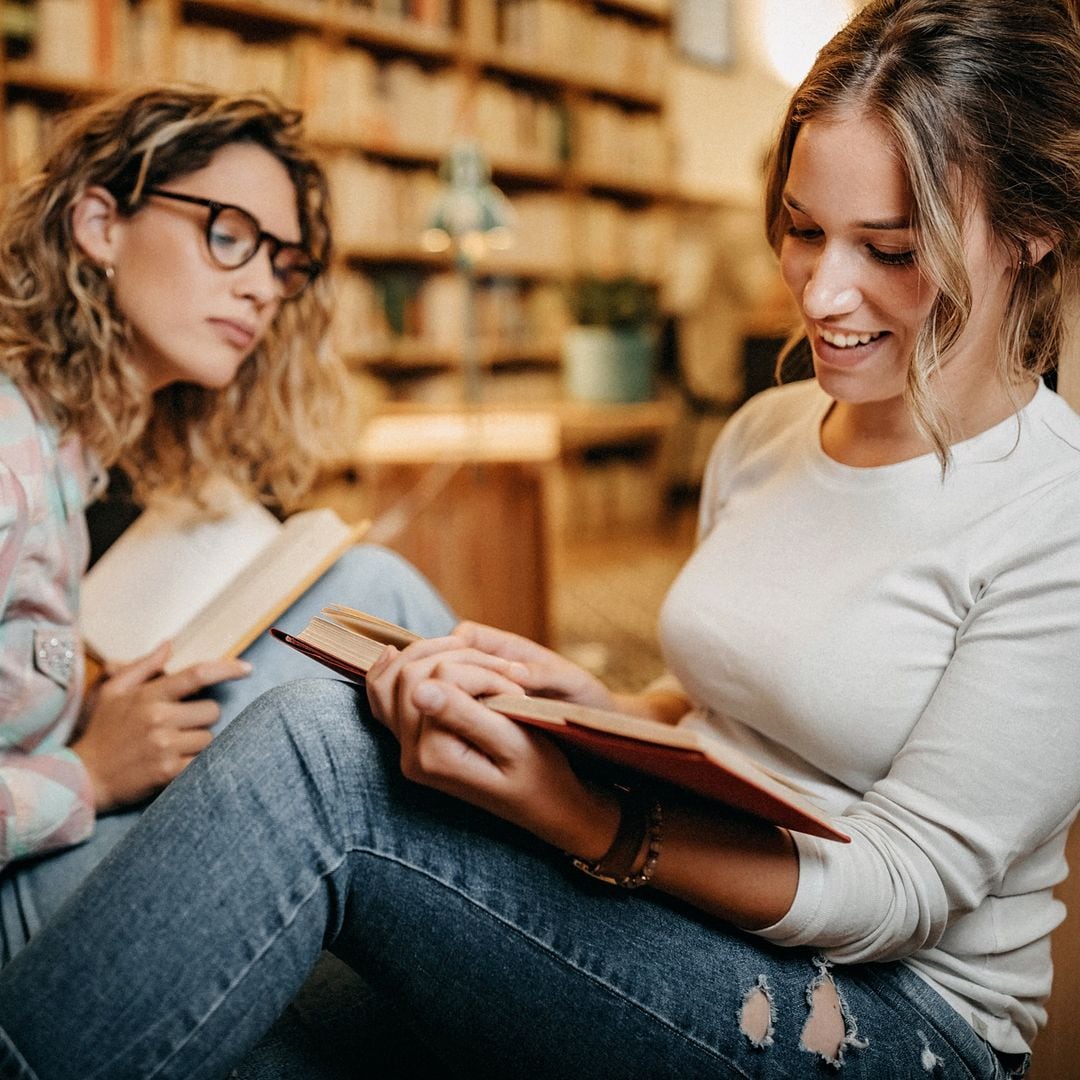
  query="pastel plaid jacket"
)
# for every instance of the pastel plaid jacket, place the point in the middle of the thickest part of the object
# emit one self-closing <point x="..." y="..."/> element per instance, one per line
<point x="46" y="800"/>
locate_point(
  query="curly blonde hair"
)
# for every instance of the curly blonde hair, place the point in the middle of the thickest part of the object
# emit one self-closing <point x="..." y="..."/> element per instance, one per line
<point x="63" y="341"/>
<point x="982" y="100"/>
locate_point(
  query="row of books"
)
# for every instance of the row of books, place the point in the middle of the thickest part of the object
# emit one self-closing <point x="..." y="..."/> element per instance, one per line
<point x="92" y="40"/>
<point x="106" y="41"/>
<point x="110" y="41"/>
<point x="584" y="43"/>
<point x="416" y="318"/>
<point x="630" y="146"/>
<point x="379" y="209"/>
<point x="346" y="94"/>
<point x="436" y="14"/>
<point x="601" y="497"/>
<point x="590" y="235"/>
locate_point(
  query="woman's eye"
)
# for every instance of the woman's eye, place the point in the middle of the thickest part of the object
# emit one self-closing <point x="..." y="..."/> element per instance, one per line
<point x="223" y="240"/>
<point x="891" y="258"/>
<point x="803" y="234"/>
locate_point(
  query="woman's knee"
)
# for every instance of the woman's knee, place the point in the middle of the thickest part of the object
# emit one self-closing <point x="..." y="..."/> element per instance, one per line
<point x="323" y="721"/>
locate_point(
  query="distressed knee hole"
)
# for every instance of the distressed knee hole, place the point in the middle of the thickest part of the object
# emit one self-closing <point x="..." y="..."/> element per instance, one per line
<point x="829" y="1030"/>
<point x="756" y="1016"/>
<point x="931" y="1063"/>
<point x="825" y="1029"/>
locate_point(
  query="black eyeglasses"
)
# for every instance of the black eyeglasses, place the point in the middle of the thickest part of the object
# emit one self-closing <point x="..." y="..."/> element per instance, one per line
<point x="234" y="237"/>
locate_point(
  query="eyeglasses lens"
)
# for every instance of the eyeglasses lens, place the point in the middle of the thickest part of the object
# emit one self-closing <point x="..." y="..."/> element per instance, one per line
<point x="293" y="269"/>
<point x="233" y="237"/>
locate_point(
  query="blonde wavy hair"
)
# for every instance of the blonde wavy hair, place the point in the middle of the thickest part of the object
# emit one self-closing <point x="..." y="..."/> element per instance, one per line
<point x="64" y="342"/>
<point x="982" y="100"/>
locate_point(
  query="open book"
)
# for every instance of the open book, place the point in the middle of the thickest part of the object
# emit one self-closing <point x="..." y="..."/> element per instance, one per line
<point x="212" y="586"/>
<point x="349" y="642"/>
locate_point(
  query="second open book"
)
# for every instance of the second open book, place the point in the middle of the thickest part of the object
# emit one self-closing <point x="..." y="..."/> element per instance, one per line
<point x="211" y="585"/>
<point x="349" y="642"/>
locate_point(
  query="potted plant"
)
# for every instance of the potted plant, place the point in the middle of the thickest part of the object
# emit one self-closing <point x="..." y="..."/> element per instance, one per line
<point x="610" y="352"/>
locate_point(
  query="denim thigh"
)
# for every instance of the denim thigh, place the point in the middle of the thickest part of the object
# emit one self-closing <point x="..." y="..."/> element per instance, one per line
<point x="295" y="831"/>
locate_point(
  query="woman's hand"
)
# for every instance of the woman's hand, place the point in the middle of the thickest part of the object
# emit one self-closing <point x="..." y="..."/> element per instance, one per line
<point x="427" y="695"/>
<point x="140" y="732"/>
<point x="541" y="671"/>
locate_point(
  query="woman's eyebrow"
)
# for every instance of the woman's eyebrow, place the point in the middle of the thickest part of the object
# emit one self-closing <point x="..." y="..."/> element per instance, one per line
<point x="888" y="225"/>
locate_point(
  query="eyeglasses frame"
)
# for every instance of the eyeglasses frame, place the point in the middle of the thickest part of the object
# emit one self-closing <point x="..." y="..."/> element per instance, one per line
<point x="274" y="243"/>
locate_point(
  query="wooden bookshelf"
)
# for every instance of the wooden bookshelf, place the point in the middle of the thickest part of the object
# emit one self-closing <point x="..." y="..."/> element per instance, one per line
<point x="385" y="86"/>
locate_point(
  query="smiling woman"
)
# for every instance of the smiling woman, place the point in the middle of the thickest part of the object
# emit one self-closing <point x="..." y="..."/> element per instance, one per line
<point x="848" y="257"/>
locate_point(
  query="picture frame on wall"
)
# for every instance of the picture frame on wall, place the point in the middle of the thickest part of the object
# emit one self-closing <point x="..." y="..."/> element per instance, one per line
<point x="705" y="32"/>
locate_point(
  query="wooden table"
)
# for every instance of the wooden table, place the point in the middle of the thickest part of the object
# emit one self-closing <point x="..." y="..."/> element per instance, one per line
<point x="465" y="497"/>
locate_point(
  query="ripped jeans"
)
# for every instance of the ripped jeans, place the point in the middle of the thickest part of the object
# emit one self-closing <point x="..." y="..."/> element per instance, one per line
<point x="295" y="831"/>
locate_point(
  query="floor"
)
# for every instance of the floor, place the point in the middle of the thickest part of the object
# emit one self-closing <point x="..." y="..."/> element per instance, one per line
<point x="607" y="595"/>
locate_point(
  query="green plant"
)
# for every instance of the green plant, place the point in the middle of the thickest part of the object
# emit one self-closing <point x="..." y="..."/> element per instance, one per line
<point x="620" y="303"/>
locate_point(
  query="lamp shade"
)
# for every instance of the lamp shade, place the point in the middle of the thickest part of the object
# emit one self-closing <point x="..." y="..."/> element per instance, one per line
<point x="470" y="214"/>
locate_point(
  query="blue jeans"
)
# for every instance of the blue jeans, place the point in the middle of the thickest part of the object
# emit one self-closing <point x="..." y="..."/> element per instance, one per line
<point x="32" y="891"/>
<point x="295" y="831"/>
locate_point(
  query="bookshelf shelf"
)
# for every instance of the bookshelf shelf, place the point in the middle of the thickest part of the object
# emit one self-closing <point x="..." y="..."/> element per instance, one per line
<point x="396" y="34"/>
<point x="386" y="149"/>
<point x="310" y="15"/>
<point x="655" y="12"/>
<point x="29" y="76"/>
<point x="623" y="186"/>
<point x="494" y="266"/>
<point x="523" y="67"/>
<point x="415" y="356"/>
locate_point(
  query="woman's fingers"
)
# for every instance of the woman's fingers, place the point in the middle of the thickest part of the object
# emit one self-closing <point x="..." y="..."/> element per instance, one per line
<point x="197" y="677"/>
<point x="459" y="739"/>
<point x="126" y="677"/>
<point x="395" y="675"/>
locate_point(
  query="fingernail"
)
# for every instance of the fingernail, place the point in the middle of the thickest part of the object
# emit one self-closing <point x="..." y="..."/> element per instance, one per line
<point x="246" y="666"/>
<point x="428" y="696"/>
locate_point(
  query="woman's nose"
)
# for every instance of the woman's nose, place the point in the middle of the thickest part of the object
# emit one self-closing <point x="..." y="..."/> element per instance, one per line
<point x="832" y="288"/>
<point x="256" y="279"/>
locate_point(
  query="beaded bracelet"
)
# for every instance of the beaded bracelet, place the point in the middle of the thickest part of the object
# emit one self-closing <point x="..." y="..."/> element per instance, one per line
<point x="641" y="821"/>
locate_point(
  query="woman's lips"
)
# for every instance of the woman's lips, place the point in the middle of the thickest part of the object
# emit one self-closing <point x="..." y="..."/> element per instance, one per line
<point x="847" y="356"/>
<point x="238" y="334"/>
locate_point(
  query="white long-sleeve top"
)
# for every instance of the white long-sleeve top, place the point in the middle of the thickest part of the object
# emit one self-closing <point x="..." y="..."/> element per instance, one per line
<point x="908" y="648"/>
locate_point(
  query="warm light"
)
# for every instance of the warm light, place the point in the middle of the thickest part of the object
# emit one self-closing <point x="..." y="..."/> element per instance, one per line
<point x="435" y="239"/>
<point x="794" y="30"/>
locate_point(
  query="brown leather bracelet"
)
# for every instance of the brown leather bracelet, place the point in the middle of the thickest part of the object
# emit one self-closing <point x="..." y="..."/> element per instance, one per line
<point x="640" y="820"/>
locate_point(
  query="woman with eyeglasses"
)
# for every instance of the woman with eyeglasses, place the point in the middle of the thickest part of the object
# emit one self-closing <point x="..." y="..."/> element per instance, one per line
<point x="163" y="309"/>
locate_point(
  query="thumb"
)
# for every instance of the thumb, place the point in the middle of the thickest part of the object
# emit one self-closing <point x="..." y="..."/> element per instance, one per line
<point x="136" y="672"/>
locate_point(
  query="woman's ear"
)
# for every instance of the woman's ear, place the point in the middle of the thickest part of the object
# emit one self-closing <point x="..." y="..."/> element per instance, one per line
<point x="94" y="221"/>
<point x="1039" y="248"/>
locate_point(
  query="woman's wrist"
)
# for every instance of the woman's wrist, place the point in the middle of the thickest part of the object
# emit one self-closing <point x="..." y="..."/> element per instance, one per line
<point x="590" y="829"/>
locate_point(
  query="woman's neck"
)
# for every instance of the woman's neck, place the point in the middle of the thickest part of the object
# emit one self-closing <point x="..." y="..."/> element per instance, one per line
<point x="868" y="434"/>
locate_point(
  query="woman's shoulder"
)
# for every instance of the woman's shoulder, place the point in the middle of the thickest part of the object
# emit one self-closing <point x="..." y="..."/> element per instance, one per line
<point x="1057" y="418"/>
<point x="18" y="421"/>
<point x="777" y="411"/>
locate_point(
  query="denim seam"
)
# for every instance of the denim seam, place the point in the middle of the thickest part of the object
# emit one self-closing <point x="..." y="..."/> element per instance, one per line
<point x="615" y="992"/>
<point x="332" y="869"/>
<point x="268" y="944"/>
<point x="13" y="1066"/>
